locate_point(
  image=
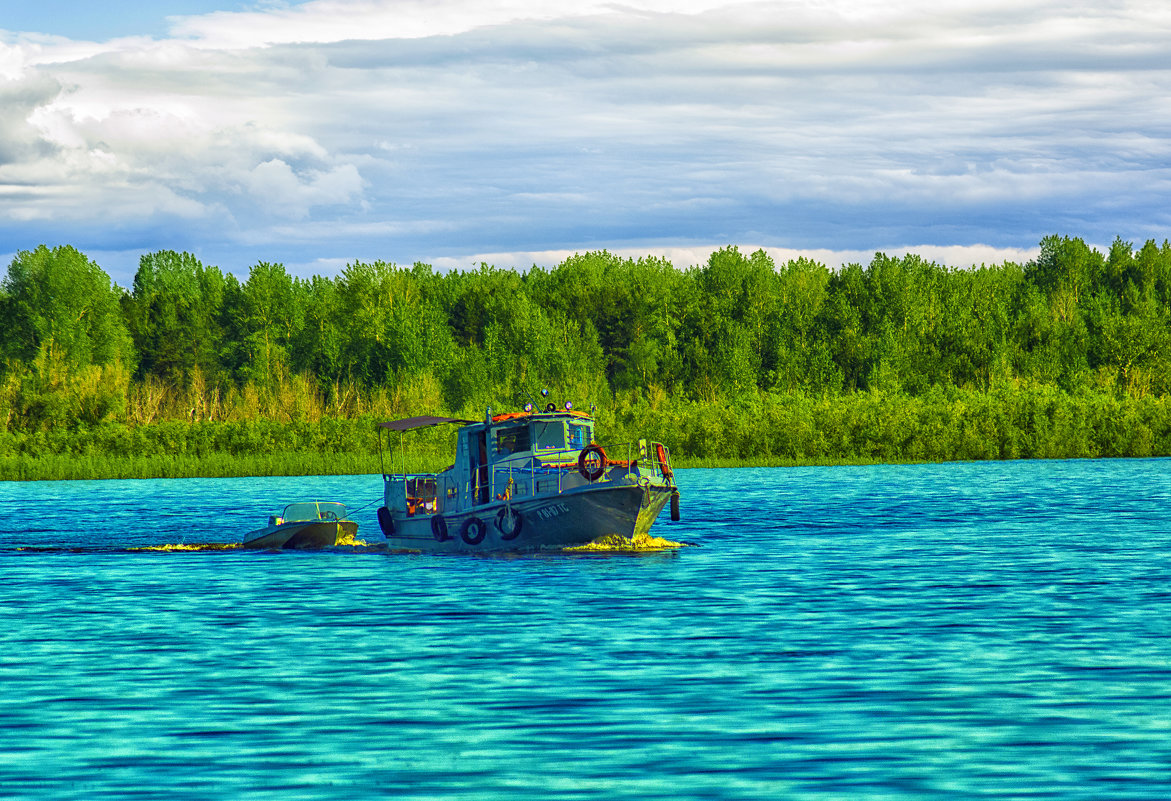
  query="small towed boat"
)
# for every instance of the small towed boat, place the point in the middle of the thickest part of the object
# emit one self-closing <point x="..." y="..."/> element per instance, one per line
<point x="314" y="524"/>
<point x="526" y="481"/>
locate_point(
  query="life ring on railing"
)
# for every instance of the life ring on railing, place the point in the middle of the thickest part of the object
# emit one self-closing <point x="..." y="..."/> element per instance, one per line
<point x="385" y="522"/>
<point x="509" y="523"/>
<point x="661" y="453"/>
<point x="473" y="531"/>
<point x="439" y="528"/>
<point x="584" y="460"/>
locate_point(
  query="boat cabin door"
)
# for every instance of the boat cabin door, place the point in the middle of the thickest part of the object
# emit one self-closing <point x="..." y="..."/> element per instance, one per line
<point x="478" y="462"/>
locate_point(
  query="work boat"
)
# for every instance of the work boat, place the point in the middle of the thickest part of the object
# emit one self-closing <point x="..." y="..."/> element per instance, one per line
<point x="525" y="481"/>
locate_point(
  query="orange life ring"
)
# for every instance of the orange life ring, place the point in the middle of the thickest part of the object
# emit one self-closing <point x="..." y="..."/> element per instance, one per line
<point x="587" y="472"/>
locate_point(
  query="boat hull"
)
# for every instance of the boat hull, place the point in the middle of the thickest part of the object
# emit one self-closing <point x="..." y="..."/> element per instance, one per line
<point x="302" y="535"/>
<point x="546" y="523"/>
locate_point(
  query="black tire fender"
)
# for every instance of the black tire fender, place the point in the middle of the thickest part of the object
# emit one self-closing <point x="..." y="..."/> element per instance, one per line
<point x="439" y="528"/>
<point x="473" y="531"/>
<point x="507" y="531"/>
<point x="385" y="522"/>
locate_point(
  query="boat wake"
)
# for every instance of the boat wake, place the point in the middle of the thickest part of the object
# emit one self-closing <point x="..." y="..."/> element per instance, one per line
<point x="611" y="543"/>
<point x="189" y="546"/>
<point x="616" y="543"/>
<point x="350" y="541"/>
<point x="348" y="544"/>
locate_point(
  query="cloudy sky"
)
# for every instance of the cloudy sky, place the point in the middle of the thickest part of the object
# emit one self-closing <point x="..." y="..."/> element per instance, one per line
<point x="516" y="132"/>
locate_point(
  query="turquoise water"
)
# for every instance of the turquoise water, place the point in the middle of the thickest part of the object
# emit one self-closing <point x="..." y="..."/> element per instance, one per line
<point x="996" y="630"/>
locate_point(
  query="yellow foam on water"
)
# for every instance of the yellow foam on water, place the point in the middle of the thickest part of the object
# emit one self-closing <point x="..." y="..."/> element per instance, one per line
<point x="616" y="542"/>
<point x="350" y="541"/>
<point x="344" y="541"/>
<point x="195" y="546"/>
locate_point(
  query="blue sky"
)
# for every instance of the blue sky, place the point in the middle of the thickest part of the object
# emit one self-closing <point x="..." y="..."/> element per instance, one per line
<point x="105" y="20"/>
<point x="518" y="132"/>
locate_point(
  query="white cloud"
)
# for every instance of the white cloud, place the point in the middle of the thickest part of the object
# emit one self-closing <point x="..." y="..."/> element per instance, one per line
<point x="441" y="129"/>
<point x="340" y="20"/>
<point x="275" y="183"/>
<point x="958" y="256"/>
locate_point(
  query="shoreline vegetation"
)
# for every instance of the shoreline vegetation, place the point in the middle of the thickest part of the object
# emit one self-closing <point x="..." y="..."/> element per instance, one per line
<point x="777" y="430"/>
<point x="738" y="362"/>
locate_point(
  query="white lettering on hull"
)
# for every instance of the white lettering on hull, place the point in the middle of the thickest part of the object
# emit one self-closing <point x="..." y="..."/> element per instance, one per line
<point x="551" y="511"/>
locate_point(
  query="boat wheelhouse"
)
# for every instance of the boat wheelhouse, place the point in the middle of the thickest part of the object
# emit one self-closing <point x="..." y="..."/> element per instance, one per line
<point x="525" y="481"/>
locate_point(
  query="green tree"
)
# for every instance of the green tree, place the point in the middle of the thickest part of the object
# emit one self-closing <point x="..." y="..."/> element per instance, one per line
<point x="60" y="300"/>
<point x="396" y="321"/>
<point x="725" y="328"/>
<point x="317" y="345"/>
<point x="628" y="307"/>
<point x="272" y="316"/>
<point x="974" y="332"/>
<point x="798" y="354"/>
<point x="846" y="326"/>
<point x="1129" y="328"/>
<point x="1067" y="270"/>
<point x="172" y="314"/>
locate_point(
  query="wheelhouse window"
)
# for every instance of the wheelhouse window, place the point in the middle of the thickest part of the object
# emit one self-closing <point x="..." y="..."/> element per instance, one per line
<point x="549" y="435"/>
<point x="579" y="435"/>
<point x="514" y="439"/>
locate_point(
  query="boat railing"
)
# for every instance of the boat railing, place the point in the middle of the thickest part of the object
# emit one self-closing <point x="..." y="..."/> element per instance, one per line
<point x="530" y="477"/>
<point x="535" y="476"/>
<point x="652" y="458"/>
<point x="431" y="493"/>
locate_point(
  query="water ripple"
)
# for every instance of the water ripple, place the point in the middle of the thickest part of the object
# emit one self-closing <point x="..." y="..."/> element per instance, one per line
<point x="942" y="631"/>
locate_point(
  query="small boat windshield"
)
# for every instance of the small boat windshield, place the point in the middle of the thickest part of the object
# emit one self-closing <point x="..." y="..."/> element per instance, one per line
<point x="317" y="510"/>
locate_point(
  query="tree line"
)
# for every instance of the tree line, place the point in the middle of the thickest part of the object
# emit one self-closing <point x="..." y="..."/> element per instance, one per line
<point x="189" y="342"/>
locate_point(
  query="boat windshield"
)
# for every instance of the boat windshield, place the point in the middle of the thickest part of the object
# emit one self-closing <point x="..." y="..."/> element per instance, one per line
<point x="556" y="435"/>
<point x="549" y="435"/>
<point x="315" y="510"/>
<point x="513" y="439"/>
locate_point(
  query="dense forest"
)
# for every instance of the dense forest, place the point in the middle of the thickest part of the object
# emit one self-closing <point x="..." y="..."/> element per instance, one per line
<point x="739" y="358"/>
